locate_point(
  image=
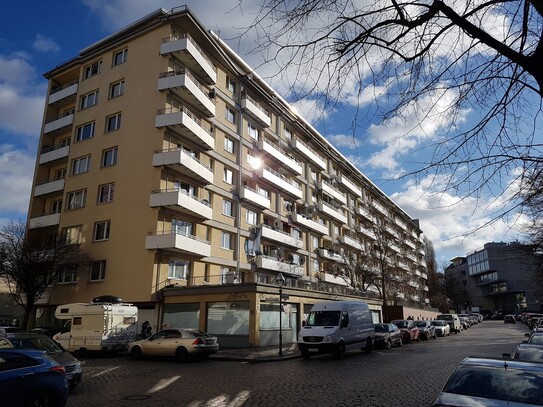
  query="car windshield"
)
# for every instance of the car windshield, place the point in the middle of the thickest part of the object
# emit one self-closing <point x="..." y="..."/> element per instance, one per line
<point x="533" y="354"/>
<point x="445" y="317"/>
<point x="323" y="318"/>
<point x="438" y="323"/>
<point x="400" y="324"/>
<point x="381" y="328"/>
<point x="41" y="343"/>
<point x="536" y="339"/>
<point x="497" y="383"/>
<point x="421" y="324"/>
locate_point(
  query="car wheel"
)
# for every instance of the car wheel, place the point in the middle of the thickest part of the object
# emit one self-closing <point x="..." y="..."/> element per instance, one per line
<point x="136" y="353"/>
<point x="340" y="351"/>
<point x="182" y="355"/>
<point x="43" y="399"/>
<point x="388" y="344"/>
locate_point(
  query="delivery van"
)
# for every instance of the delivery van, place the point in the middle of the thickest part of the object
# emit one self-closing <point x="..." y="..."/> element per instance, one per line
<point x="336" y="327"/>
<point x="102" y="325"/>
<point x="452" y="320"/>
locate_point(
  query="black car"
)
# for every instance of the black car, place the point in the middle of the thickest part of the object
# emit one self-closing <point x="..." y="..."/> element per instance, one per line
<point x="426" y="329"/>
<point x="387" y="335"/>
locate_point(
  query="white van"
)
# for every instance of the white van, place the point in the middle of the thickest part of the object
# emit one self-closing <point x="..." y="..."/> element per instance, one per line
<point x="335" y="327"/>
<point x="453" y="320"/>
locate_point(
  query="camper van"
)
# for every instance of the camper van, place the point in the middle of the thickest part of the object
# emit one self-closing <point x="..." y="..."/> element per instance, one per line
<point x="102" y="325"/>
<point x="336" y="327"/>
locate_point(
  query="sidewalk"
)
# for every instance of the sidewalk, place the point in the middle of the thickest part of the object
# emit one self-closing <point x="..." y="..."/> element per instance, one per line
<point x="258" y="355"/>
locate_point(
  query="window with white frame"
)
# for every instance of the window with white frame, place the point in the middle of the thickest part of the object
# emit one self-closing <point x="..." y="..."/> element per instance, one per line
<point x="178" y="269"/>
<point x="113" y="122"/>
<point x="72" y="234"/>
<point x="316" y="266"/>
<point x="228" y="176"/>
<point x="68" y="275"/>
<point x="116" y="89"/>
<point x="228" y="275"/>
<point x="288" y="133"/>
<point x="120" y="57"/>
<point x="56" y="206"/>
<point x="101" y="230"/>
<point x="60" y="174"/>
<point x="106" y="192"/>
<point x="92" y="69"/>
<point x="84" y="132"/>
<point x="230" y="85"/>
<point x="80" y="165"/>
<point x="230" y="115"/>
<point x="181" y="227"/>
<point x="297" y="233"/>
<point x="252" y="131"/>
<point x="98" y="270"/>
<point x="77" y="199"/>
<point x="251" y="217"/>
<point x="88" y="100"/>
<point x="229" y="145"/>
<point x="315" y="242"/>
<point x="313" y="175"/>
<point x="227" y="207"/>
<point x="109" y="157"/>
<point x="226" y="241"/>
<point x="253" y="161"/>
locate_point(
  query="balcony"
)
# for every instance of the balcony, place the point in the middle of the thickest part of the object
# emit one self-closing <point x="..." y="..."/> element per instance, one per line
<point x="255" y="110"/>
<point x="401" y="224"/>
<point x="63" y="95"/>
<point x="183" y="161"/>
<point x="273" y="264"/>
<point x="54" y="155"/>
<point x="190" y="54"/>
<point x="60" y="125"/>
<point x="44" y="221"/>
<point x="308" y="153"/>
<point x="183" y="84"/>
<point x="351" y="242"/>
<point x="279" y="236"/>
<point x="309" y="223"/>
<point x="187" y="124"/>
<point x="49" y="188"/>
<point x="409" y="243"/>
<point x="280" y="156"/>
<point x="280" y="181"/>
<point x="334" y="279"/>
<point x="347" y="183"/>
<point x="335" y="213"/>
<point x="177" y="242"/>
<point x="363" y="212"/>
<point x="329" y="254"/>
<point x="255" y="197"/>
<point x="366" y="232"/>
<point x="380" y="208"/>
<point x="180" y="201"/>
<point x="329" y="190"/>
<point x="413" y="284"/>
<point x="394" y="247"/>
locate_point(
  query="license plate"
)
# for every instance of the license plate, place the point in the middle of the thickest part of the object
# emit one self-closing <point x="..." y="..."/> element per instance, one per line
<point x="312" y="350"/>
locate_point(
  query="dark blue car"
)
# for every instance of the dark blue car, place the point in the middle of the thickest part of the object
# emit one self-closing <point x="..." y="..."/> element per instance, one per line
<point x="29" y="378"/>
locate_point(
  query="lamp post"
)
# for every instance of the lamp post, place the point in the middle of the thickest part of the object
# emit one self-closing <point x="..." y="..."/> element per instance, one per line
<point x="280" y="280"/>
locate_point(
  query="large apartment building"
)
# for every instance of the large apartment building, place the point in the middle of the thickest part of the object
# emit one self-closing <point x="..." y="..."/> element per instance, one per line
<point x="196" y="189"/>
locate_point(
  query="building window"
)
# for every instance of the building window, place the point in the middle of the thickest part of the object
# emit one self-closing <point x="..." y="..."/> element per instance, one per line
<point x="228" y="176"/>
<point x="315" y="242"/>
<point x="178" y="269"/>
<point x="227" y="208"/>
<point x="252" y="131"/>
<point x="98" y="270"/>
<point x="120" y="57"/>
<point x="56" y="206"/>
<point x="80" y="165"/>
<point x="60" y="174"/>
<point x="250" y="217"/>
<point x="297" y="233"/>
<point x="106" y="192"/>
<point x="228" y="145"/>
<point x="226" y="241"/>
<point x="84" y="132"/>
<point x="230" y="115"/>
<point x="109" y="157"/>
<point x="72" y="235"/>
<point x="67" y="276"/>
<point x="253" y="161"/>
<point x="288" y="133"/>
<point x="101" y="230"/>
<point x="93" y="69"/>
<point x="77" y="199"/>
<point x="230" y="85"/>
<point x="116" y="89"/>
<point x="113" y="122"/>
<point x="316" y="266"/>
<point x="88" y="100"/>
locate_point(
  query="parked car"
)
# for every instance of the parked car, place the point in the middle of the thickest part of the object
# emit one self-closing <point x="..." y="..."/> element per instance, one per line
<point x="442" y="327"/>
<point x="7" y="329"/>
<point x="529" y="352"/>
<point x="175" y="342"/>
<point x="509" y="319"/>
<point x="31" y="340"/>
<point x="452" y="320"/>
<point x="409" y="330"/>
<point x="427" y="330"/>
<point x="535" y="338"/>
<point x="31" y="378"/>
<point x="387" y="335"/>
<point x="493" y="382"/>
<point x="464" y="321"/>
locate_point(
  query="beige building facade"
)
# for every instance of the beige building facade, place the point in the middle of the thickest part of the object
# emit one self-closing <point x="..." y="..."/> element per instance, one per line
<point x="194" y="187"/>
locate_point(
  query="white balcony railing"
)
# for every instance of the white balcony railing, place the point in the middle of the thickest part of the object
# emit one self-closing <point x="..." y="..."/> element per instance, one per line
<point x="181" y="201"/>
<point x="256" y="197"/>
<point x="188" y="124"/>
<point x="183" y="243"/>
<point x="280" y="155"/>
<point x="254" y="109"/>
<point x="309" y="223"/>
<point x="182" y="82"/>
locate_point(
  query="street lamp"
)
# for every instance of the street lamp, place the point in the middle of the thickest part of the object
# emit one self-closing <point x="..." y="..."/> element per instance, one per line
<point x="280" y="280"/>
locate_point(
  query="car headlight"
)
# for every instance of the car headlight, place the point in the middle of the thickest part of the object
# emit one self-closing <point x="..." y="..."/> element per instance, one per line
<point x="329" y="338"/>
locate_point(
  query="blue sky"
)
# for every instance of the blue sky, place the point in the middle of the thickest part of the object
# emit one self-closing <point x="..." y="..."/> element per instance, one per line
<point x="37" y="36"/>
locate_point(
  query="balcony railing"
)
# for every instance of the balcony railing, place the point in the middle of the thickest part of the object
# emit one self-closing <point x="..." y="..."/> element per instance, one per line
<point x="255" y="110"/>
<point x="60" y="124"/>
<point x="54" y="154"/>
<point x="309" y="223"/>
<point x="280" y="181"/>
<point x="335" y="213"/>
<point x="256" y="197"/>
<point x="329" y="190"/>
<point x="186" y="161"/>
<point x="63" y="94"/>
<point x="280" y="155"/>
<point x="306" y="151"/>
<point x="180" y="242"/>
<point x="183" y="121"/>
<point x="181" y="201"/>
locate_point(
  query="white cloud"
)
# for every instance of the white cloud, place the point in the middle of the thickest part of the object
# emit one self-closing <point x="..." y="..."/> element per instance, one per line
<point x="45" y="44"/>
<point x="15" y="180"/>
<point x="343" y="141"/>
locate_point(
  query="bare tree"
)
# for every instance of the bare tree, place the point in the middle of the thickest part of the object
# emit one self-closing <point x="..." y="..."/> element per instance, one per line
<point x="485" y="56"/>
<point x="30" y="263"/>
